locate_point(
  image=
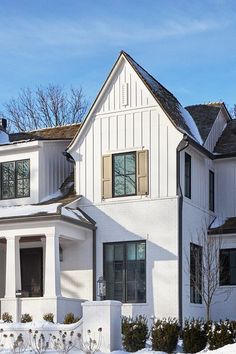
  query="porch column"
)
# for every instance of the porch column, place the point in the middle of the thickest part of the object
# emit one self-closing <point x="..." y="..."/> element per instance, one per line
<point x="13" y="273"/>
<point x="52" y="267"/>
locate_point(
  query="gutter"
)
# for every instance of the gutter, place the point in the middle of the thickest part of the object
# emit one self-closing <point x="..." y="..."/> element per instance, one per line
<point x="182" y="146"/>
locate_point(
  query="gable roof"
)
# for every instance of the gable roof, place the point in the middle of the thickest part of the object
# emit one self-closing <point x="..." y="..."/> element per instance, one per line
<point x="227" y="141"/>
<point x="177" y="114"/>
<point x="66" y="132"/>
<point x="204" y="116"/>
<point x="228" y="226"/>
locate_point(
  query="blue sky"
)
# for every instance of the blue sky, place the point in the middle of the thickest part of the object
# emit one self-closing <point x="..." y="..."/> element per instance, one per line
<point x="188" y="45"/>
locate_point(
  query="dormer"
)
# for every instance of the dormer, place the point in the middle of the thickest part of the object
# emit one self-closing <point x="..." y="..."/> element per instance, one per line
<point x="32" y="164"/>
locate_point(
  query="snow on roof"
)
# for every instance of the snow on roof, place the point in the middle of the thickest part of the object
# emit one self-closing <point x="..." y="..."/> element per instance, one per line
<point x="26" y="210"/>
<point x="191" y="124"/>
<point x="4" y="137"/>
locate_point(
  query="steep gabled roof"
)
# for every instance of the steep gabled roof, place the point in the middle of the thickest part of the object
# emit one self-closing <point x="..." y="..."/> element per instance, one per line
<point x="177" y="114"/>
<point x="181" y="118"/>
<point x="204" y="116"/>
<point x="66" y="132"/>
<point x="227" y="141"/>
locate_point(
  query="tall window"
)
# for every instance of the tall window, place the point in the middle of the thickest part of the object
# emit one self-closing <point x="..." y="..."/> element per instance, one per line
<point x="15" y="179"/>
<point x="124" y="174"/>
<point x="125" y="271"/>
<point x="211" y="191"/>
<point x="187" y="189"/>
<point x="228" y="266"/>
<point x="195" y="273"/>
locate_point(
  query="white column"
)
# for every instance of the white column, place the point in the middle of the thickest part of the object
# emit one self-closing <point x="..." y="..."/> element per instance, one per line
<point x="52" y="267"/>
<point x="13" y="273"/>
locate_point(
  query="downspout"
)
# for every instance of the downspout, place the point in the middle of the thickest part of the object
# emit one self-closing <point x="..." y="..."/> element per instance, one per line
<point x="94" y="266"/>
<point x="182" y="145"/>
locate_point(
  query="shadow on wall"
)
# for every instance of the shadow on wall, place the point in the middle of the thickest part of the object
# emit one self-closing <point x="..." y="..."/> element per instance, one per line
<point x="110" y="230"/>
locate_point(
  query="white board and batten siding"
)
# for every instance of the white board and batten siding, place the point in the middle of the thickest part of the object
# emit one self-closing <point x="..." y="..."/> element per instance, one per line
<point x="115" y="127"/>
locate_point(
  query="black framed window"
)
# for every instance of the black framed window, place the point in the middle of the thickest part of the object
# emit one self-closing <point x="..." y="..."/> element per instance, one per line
<point x="15" y="179"/>
<point x="228" y="266"/>
<point x="124" y="174"/>
<point x="211" y="191"/>
<point x="195" y="273"/>
<point x="125" y="271"/>
<point x="187" y="168"/>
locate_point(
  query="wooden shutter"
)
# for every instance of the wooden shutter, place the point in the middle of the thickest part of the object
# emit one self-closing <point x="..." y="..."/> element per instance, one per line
<point x="142" y="172"/>
<point x="107" y="176"/>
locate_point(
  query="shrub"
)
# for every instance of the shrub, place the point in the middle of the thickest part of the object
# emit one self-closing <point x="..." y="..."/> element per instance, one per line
<point x="49" y="317"/>
<point x="165" y="335"/>
<point x="194" y="336"/>
<point x="220" y="334"/>
<point x="26" y="318"/>
<point x="135" y="333"/>
<point x="6" y="317"/>
<point x="70" y="318"/>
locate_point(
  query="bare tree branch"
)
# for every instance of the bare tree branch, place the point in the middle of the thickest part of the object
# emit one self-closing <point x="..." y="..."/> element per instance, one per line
<point x="45" y="107"/>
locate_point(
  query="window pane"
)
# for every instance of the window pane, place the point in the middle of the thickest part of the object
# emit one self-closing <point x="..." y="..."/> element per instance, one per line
<point x="22" y="178"/>
<point x="233" y="258"/>
<point x="187" y="175"/>
<point x="130" y="163"/>
<point x="8" y="180"/>
<point x="195" y="273"/>
<point x="119" y="165"/>
<point x="131" y="251"/>
<point x="130" y="184"/>
<point x="131" y="270"/>
<point x="141" y="251"/>
<point x="119" y="187"/>
<point x="109" y="253"/>
<point x="131" y="291"/>
<point x="119" y="252"/>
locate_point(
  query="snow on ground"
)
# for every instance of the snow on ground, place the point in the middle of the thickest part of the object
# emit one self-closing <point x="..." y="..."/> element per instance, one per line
<point x="228" y="349"/>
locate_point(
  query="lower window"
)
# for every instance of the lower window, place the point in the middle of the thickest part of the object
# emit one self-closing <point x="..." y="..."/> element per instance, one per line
<point x="228" y="266"/>
<point x="195" y="273"/>
<point x="125" y="271"/>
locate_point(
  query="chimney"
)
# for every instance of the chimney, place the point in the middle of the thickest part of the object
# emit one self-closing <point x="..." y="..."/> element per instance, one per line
<point x="3" y="124"/>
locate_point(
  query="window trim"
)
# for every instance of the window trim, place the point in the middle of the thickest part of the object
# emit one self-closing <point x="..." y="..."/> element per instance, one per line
<point x="113" y="174"/>
<point x="124" y="300"/>
<point x="15" y="180"/>
<point x="193" y="300"/>
<point x="188" y="187"/>
<point x="211" y="191"/>
<point x="223" y="250"/>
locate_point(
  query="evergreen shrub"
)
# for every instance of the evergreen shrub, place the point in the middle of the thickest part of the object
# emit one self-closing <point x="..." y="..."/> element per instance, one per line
<point x="194" y="336"/>
<point x="220" y="334"/>
<point x="26" y="318"/>
<point x="165" y="335"/>
<point x="134" y="333"/>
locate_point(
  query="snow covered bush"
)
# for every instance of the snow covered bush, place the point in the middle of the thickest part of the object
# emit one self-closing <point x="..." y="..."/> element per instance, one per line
<point x="134" y="333"/>
<point x="89" y="345"/>
<point x="220" y="334"/>
<point x="165" y="335"/>
<point x="26" y="318"/>
<point x="37" y="342"/>
<point x="194" y="336"/>
<point x="6" y="317"/>
<point x="49" y="317"/>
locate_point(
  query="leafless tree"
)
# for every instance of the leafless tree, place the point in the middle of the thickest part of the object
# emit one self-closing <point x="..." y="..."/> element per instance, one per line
<point x="44" y="107"/>
<point x="204" y="268"/>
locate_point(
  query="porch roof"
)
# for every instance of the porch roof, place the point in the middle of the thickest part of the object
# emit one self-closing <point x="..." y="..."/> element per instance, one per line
<point x="227" y="226"/>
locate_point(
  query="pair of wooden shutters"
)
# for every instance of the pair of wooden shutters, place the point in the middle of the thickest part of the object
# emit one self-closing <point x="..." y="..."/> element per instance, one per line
<point x="141" y="174"/>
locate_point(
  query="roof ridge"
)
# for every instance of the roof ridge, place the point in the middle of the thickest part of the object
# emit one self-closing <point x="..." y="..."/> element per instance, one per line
<point x="129" y="57"/>
<point x="55" y="127"/>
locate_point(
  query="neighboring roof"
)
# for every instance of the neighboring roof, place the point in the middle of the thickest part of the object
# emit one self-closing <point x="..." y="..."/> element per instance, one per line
<point x="228" y="226"/>
<point x="169" y="103"/>
<point x="66" y="132"/>
<point x="204" y="116"/>
<point x="227" y="141"/>
<point x="177" y="114"/>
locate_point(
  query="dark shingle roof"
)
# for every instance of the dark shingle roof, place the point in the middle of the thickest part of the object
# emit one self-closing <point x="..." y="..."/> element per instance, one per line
<point x="66" y="132"/>
<point x="227" y="142"/>
<point x="204" y="116"/>
<point x="227" y="227"/>
<point x="169" y="103"/>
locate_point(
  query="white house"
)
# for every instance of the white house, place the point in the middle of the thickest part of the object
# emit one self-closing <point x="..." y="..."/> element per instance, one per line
<point x="149" y="176"/>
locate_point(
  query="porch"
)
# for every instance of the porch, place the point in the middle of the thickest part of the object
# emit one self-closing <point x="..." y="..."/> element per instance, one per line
<point x="50" y="264"/>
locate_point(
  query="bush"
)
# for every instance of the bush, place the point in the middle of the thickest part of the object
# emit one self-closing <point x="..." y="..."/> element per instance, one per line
<point x="70" y="318"/>
<point x="26" y="318"/>
<point x="220" y="334"/>
<point x="6" y="317"/>
<point x="194" y="336"/>
<point x="165" y="335"/>
<point x="49" y="317"/>
<point x="135" y="333"/>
